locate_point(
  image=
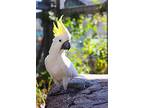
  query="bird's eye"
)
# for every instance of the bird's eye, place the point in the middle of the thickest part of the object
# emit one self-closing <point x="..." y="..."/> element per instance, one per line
<point x="60" y="40"/>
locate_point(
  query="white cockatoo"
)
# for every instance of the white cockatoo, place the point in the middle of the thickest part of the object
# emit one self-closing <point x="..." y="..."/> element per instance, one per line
<point x="60" y="68"/>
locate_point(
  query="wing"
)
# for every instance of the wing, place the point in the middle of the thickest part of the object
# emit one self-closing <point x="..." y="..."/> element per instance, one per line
<point x="70" y="69"/>
<point x="72" y="72"/>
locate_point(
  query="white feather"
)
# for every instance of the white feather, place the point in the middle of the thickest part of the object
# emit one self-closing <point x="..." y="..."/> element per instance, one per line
<point x="59" y="66"/>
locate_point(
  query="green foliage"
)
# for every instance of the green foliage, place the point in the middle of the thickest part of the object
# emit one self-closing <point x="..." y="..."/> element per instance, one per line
<point x="39" y="97"/>
<point x="44" y="83"/>
<point x="96" y="1"/>
<point x="89" y="50"/>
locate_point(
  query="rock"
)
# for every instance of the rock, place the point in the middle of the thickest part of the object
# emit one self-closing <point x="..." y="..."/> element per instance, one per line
<point x="81" y="93"/>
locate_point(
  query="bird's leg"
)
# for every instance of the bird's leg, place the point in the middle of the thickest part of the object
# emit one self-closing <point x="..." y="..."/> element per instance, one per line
<point x="65" y="83"/>
<point x="55" y="89"/>
<point x="56" y="82"/>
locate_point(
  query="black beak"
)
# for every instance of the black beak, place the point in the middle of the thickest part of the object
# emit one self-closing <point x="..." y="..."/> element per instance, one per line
<point x="66" y="45"/>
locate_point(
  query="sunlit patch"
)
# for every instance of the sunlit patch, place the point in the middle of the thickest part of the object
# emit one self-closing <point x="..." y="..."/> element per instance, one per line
<point x="94" y="76"/>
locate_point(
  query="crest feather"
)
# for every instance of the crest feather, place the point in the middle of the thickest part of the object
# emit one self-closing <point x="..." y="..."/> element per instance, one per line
<point x="60" y="29"/>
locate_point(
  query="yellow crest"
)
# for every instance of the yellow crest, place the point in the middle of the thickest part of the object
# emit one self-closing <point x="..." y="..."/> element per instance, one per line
<point x="60" y="29"/>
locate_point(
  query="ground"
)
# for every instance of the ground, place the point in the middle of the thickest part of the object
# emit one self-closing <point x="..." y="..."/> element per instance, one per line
<point x="81" y="93"/>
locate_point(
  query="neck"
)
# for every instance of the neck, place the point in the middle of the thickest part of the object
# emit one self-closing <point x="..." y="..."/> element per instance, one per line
<point x="55" y="53"/>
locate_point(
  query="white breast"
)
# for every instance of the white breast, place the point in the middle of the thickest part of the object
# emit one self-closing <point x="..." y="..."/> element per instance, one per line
<point x="60" y="67"/>
<point x="55" y="67"/>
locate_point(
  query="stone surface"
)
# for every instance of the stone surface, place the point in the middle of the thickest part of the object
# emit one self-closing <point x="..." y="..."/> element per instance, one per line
<point x="81" y="93"/>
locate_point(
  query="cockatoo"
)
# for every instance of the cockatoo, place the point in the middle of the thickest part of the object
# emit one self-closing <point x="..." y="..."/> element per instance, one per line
<point x="59" y="67"/>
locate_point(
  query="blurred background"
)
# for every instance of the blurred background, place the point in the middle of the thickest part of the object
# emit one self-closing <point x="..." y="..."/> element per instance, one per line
<point x="87" y="22"/>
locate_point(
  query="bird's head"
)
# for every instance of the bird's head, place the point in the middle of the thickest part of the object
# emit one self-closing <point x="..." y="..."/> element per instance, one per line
<point x="62" y="37"/>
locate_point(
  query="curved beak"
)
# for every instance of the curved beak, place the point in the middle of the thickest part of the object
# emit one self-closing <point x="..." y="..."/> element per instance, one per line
<point x="66" y="45"/>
